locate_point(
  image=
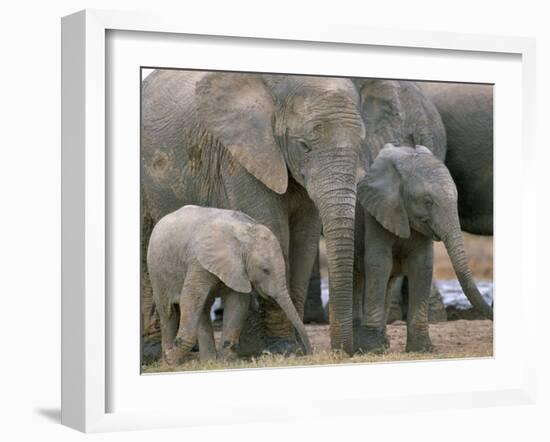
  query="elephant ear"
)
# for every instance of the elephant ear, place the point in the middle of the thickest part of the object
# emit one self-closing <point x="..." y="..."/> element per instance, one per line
<point x="238" y="110"/>
<point x="220" y="252"/>
<point x="381" y="194"/>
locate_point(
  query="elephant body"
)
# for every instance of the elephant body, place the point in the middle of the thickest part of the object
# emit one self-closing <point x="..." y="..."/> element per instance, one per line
<point x="467" y="113"/>
<point x="282" y="149"/>
<point x="409" y="199"/>
<point x="195" y="254"/>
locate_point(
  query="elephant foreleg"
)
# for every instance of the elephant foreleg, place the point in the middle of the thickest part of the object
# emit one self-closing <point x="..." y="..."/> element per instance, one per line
<point x="378" y="267"/>
<point x="304" y="245"/>
<point x="234" y="315"/>
<point x="420" y="270"/>
<point x="305" y="232"/>
<point x="149" y="315"/>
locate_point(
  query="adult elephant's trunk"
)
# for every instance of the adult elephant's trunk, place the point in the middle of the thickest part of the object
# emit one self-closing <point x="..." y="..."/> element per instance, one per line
<point x="455" y="248"/>
<point x="333" y="190"/>
<point x="284" y="301"/>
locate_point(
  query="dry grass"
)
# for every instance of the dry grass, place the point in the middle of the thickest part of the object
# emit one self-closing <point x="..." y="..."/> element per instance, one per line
<point x="319" y="358"/>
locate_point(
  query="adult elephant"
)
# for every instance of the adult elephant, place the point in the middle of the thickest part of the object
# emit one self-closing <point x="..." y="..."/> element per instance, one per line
<point x="283" y="149"/>
<point x="467" y="113"/>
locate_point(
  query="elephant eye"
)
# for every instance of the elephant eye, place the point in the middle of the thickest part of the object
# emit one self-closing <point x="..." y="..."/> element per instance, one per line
<point x="428" y="202"/>
<point x="305" y="147"/>
<point x="266" y="271"/>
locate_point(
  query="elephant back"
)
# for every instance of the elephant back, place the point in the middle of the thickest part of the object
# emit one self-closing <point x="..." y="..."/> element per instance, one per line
<point x="398" y="112"/>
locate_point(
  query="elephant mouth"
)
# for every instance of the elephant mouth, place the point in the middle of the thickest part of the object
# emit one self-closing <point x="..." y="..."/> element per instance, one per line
<point x="430" y="231"/>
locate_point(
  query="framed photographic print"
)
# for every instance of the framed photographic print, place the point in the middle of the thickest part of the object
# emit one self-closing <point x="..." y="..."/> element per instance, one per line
<point x="250" y="212"/>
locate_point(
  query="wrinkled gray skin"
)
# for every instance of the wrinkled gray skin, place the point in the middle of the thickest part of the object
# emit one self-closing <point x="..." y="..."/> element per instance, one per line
<point x="409" y="200"/>
<point x="197" y="253"/>
<point x="398" y="112"/>
<point x="467" y="113"/>
<point x="393" y="112"/>
<point x="282" y="149"/>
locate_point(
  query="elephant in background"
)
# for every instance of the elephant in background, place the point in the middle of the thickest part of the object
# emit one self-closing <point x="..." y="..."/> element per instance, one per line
<point x="399" y="112"/>
<point x="467" y="113"/>
<point x="409" y="200"/>
<point x="282" y="149"/>
<point x="196" y="253"/>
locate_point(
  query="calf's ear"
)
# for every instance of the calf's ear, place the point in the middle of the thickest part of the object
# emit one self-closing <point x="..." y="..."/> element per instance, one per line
<point x="221" y="253"/>
<point x="381" y="194"/>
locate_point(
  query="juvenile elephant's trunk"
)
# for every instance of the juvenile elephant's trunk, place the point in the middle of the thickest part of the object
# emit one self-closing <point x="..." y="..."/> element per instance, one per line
<point x="287" y="306"/>
<point x="334" y="192"/>
<point x="455" y="248"/>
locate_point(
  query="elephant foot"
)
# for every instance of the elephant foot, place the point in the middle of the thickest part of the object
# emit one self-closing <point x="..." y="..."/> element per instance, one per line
<point x="281" y="346"/>
<point x="370" y="340"/>
<point x="230" y="351"/>
<point x="174" y="356"/>
<point x="419" y="343"/>
<point x="151" y="351"/>
<point x="183" y="344"/>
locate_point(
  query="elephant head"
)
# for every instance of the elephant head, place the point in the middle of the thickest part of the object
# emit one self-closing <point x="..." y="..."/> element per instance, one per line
<point x="309" y="127"/>
<point x="245" y="255"/>
<point x="409" y="188"/>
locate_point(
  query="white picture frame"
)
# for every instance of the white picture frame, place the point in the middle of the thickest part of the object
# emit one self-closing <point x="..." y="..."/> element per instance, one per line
<point x="87" y="211"/>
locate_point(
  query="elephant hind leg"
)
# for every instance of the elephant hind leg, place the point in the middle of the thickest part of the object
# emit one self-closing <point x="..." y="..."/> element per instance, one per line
<point x="198" y="285"/>
<point x="169" y="321"/>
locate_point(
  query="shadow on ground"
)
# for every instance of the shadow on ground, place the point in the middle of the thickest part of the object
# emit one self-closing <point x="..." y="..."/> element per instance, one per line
<point x="51" y="414"/>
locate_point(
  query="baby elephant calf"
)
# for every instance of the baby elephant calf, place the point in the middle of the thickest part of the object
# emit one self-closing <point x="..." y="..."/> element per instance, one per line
<point x="198" y="253"/>
<point x="409" y="199"/>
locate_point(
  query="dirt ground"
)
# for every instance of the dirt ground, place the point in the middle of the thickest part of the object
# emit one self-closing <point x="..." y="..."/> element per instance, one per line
<point x="451" y="340"/>
<point x="472" y="338"/>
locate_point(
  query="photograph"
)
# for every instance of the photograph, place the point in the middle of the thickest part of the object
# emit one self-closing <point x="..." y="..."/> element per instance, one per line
<point x="296" y="220"/>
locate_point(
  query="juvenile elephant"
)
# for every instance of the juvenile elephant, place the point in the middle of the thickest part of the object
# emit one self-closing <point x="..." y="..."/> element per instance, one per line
<point x="409" y="200"/>
<point x="281" y="148"/>
<point x="197" y="253"/>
